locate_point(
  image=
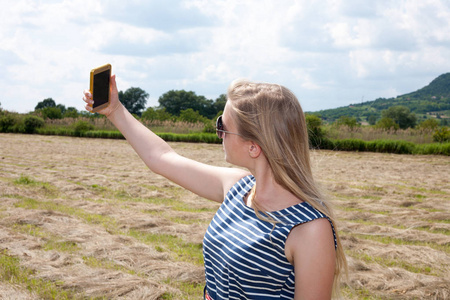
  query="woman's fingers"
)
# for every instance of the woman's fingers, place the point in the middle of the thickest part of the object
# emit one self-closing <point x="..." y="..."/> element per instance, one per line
<point x="88" y="99"/>
<point x="88" y="107"/>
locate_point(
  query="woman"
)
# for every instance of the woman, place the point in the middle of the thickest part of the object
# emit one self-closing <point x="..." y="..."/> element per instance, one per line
<point x="274" y="234"/>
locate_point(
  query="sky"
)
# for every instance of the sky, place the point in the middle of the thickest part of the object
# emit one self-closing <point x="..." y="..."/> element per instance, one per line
<point x="330" y="53"/>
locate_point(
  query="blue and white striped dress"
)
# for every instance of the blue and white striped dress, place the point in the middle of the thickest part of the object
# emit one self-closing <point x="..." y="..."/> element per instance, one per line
<point x="244" y="256"/>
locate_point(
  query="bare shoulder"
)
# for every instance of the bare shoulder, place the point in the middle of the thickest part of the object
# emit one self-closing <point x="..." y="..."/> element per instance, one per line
<point x="310" y="249"/>
<point x="308" y="238"/>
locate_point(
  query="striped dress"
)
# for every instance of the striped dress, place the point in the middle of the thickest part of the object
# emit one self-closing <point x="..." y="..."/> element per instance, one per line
<point x="244" y="256"/>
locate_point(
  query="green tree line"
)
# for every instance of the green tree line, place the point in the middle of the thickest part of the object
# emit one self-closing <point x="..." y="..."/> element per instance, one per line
<point x="173" y="105"/>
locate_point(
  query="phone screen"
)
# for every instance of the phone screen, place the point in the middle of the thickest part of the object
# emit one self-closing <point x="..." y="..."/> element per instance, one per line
<point x="101" y="88"/>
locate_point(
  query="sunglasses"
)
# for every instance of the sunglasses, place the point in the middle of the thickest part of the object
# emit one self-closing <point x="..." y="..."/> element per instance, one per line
<point x="219" y="128"/>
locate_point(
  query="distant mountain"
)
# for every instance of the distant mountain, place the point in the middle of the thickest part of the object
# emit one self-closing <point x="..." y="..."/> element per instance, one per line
<point x="431" y="100"/>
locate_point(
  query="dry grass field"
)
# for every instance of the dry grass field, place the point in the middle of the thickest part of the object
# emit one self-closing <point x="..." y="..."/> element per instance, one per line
<point x="85" y="219"/>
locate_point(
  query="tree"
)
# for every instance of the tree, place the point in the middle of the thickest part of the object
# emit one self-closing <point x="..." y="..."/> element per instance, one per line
<point x="350" y="122"/>
<point x="49" y="102"/>
<point x="429" y="124"/>
<point x="62" y="108"/>
<point x="372" y="119"/>
<point x="176" y="101"/>
<point x="387" y="124"/>
<point x="219" y="104"/>
<point x="51" y="113"/>
<point x="401" y="115"/>
<point x="315" y="131"/>
<point x="134" y="99"/>
<point x="156" y="114"/>
<point x="71" y="112"/>
<point x="191" y="116"/>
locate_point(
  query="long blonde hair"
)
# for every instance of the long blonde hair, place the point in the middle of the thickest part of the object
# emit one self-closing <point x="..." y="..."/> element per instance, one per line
<point x="271" y="116"/>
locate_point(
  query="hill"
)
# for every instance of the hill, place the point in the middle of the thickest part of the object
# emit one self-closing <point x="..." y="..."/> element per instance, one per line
<point x="432" y="100"/>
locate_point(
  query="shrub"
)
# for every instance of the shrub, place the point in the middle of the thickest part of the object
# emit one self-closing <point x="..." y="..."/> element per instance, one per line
<point x="209" y="128"/>
<point x="81" y="127"/>
<point x="389" y="146"/>
<point x="51" y="113"/>
<point x="316" y="134"/>
<point x="70" y="112"/>
<point x="7" y="122"/>
<point x="387" y="123"/>
<point x="192" y="116"/>
<point x="429" y="124"/>
<point x="434" y="149"/>
<point x="350" y="145"/>
<point x="32" y="123"/>
<point x="442" y="135"/>
<point x="350" y="122"/>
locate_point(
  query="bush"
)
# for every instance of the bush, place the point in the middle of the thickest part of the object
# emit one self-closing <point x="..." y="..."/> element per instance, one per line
<point x="388" y="146"/>
<point x="7" y="122"/>
<point x="316" y="134"/>
<point x="441" y="135"/>
<point x="32" y="123"/>
<point x="350" y="122"/>
<point x="51" y="113"/>
<point x="387" y="123"/>
<point x="209" y="128"/>
<point x="70" y="112"/>
<point x="192" y="116"/>
<point x="350" y="145"/>
<point x="433" y="149"/>
<point x="429" y="124"/>
<point x="81" y="127"/>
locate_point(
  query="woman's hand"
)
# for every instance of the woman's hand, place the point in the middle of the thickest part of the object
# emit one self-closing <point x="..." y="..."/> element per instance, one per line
<point x="114" y="101"/>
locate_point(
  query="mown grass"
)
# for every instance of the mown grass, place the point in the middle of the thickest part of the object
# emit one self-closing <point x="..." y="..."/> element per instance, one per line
<point x="14" y="273"/>
<point x="384" y="239"/>
<point x="398" y="263"/>
<point x="184" y="251"/>
<point x="51" y="241"/>
<point x="360" y="294"/>
<point x="94" y="262"/>
<point x="426" y="228"/>
<point x="171" y="203"/>
<point x="177" y="247"/>
<point x="47" y="188"/>
<point x="189" y="290"/>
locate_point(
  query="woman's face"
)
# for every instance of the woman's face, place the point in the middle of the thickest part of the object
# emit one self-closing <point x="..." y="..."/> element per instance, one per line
<point x="233" y="145"/>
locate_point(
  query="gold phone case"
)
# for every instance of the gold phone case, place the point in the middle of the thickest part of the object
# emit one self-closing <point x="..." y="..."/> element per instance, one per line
<point x="100" y="87"/>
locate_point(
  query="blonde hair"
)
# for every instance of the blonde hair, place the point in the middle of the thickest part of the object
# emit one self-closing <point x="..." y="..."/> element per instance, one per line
<point x="271" y="116"/>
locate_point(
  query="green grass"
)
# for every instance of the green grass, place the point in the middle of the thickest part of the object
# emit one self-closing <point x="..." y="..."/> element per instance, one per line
<point x="12" y="272"/>
<point x="190" y="290"/>
<point x="182" y="250"/>
<point x="107" y="264"/>
<point x="383" y="239"/>
<point x="360" y="294"/>
<point x="421" y="228"/>
<point x="45" y="187"/>
<point x="386" y="262"/>
<point x="177" y="247"/>
<point x="52" y="242"/>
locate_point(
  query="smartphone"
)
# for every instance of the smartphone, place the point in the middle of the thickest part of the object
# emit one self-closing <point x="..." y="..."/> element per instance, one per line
<point x="100" y="80"/>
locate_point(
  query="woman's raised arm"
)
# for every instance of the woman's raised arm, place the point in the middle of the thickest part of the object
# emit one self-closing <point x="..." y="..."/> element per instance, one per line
<point x="207" y="181"/>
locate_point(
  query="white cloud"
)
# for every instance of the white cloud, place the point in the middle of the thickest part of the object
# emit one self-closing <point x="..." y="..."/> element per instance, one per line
<point x="329" y="52"/>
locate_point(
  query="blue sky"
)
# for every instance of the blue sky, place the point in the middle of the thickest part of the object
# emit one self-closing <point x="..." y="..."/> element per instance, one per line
<point x="330" y="53"/>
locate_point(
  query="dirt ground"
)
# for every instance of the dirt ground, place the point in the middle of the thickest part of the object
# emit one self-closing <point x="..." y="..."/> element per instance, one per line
<point x="85" y="218"/>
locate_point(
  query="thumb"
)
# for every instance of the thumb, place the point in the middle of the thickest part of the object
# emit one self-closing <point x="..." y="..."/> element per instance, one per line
<point x="113" y="84"/>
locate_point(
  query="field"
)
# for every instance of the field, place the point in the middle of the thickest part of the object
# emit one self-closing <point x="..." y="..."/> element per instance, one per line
<point x="85" y="219"/>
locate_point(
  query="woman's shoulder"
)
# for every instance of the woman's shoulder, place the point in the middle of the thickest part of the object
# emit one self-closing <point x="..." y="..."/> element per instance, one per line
<point x="316" y="233"/>
<point x="237" y="179"/>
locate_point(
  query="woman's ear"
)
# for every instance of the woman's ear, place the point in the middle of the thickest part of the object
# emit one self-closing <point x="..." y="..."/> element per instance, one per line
<point x="254" y="150"/>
